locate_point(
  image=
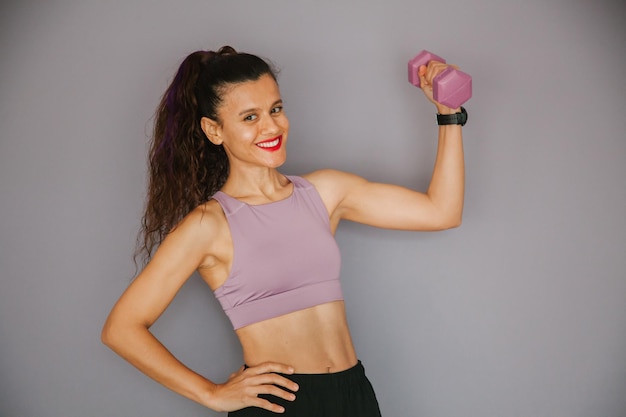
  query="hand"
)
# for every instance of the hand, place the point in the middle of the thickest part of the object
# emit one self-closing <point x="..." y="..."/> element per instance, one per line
<point x="426" y="74"/>
<point x="244" y="386"/>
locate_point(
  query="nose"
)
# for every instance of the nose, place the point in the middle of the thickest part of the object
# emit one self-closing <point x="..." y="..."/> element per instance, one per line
<point x="269" y="125"/>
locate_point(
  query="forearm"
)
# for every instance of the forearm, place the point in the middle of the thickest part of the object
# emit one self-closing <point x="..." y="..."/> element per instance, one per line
<point x="447" y="185"/>
<point x="144" y="351"/>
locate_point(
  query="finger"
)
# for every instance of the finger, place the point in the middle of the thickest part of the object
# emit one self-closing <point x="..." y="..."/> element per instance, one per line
<point x="276" y="392"/>
<point x="421" y="73"/>
<point x="267" y="405"/>
<point x="434" y="68"/>
<point x="428" y="72"/>
<point x="274" y="380"/>
<point x="267" y="367"/>
<point x="272" y="390"/>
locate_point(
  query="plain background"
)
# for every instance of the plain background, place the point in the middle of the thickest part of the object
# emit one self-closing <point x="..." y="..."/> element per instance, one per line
<point x="520" y="312"/>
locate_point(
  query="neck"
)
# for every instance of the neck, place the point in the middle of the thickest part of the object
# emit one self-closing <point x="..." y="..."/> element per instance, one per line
<point x="257" y="186"/>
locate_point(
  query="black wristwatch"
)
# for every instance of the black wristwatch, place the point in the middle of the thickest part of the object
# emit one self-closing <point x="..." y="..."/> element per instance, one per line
<point x="459" y="118"/>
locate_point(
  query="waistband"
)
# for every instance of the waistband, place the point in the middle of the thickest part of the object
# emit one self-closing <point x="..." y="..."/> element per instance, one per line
<point x="357" y="372"/>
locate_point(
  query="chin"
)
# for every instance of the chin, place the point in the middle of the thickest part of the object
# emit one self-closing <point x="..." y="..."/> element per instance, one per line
<point x="278" y="159"/>
<point x="278" y="163"/>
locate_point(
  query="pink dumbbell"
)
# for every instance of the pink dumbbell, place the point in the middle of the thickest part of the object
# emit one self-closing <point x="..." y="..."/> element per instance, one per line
<point x="450" y="88"/>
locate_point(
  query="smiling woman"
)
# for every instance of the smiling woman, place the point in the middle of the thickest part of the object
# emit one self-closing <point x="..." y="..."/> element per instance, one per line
<point x="251" y="124"/>
<point x="262" y="241"/>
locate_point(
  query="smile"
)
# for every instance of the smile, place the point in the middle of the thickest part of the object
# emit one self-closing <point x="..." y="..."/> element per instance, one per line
<point x="271" y="144"/>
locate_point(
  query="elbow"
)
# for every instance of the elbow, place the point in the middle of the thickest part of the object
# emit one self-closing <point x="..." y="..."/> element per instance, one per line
<point x="451" y="222"/>
<point x="454" y="218"/>
<point x="446" y="215"/>
<point x="456" y="222"/>
<point x="117" y="333"/>
<point x="111" y="334"/>
<point x="106" y="335"/>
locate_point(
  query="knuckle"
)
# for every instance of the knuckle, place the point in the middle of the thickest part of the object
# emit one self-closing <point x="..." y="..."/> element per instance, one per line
<point x="250" y="392"/>
<point x="261" y="403"/>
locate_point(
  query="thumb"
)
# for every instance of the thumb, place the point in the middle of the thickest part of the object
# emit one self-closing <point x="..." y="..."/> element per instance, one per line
<point x="421" y="72"/>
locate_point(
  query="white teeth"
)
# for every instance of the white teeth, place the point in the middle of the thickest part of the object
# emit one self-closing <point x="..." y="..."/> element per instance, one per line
<point x="269" y="144"/>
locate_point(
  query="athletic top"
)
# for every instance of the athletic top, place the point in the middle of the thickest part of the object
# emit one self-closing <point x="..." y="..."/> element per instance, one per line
<point x="285" y="257"/>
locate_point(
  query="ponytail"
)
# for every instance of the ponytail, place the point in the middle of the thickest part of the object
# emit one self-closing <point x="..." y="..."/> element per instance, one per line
<point x="185" y="168"/>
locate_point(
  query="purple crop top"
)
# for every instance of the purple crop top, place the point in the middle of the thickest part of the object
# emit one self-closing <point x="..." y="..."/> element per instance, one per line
<point x="285" y="256"/>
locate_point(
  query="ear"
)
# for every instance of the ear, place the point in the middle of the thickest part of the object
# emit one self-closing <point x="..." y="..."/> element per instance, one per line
<point x="212" y="130"/>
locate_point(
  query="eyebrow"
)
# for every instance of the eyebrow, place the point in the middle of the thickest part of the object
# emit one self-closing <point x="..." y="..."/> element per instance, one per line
<point x="279" y="101"/>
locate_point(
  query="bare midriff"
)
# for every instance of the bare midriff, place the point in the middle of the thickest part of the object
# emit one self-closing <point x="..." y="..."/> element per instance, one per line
<point x="313" y="341"/>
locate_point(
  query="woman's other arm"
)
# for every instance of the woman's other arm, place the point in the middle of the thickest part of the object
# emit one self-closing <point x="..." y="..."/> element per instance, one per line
<point x="126" y="331"/>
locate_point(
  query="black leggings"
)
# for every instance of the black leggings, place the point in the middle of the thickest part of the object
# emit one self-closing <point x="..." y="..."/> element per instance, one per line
<point x="342" y="394"/>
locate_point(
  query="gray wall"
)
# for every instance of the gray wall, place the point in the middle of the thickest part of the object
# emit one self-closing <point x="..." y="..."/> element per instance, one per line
<point x="520" y="312"/>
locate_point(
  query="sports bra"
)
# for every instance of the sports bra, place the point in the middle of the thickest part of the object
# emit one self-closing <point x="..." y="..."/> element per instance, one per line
<point x="285" y="257"/>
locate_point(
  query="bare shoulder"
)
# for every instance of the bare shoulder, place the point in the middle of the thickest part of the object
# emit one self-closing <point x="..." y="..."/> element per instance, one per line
<point x="194" y="236"/>
<point x="334" y="187"/>
<point x="199" y="240"/>
<point x="206" y="219"/>
<point x="333" y="181"/>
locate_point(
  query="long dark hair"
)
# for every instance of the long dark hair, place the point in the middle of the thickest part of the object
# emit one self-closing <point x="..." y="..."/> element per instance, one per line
<point x="185" y="168"/>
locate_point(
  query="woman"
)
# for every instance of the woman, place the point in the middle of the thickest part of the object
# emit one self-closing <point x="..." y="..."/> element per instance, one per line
<point x="262" y="241"/>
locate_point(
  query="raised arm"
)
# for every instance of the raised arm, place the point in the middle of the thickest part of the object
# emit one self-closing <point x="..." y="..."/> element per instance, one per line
<point x="192" y="245"/>
<point x="351" y="197"/>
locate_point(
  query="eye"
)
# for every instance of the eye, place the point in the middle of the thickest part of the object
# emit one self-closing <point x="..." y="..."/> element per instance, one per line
<point x="277" y="109"/>
<point x="250" y="117"/>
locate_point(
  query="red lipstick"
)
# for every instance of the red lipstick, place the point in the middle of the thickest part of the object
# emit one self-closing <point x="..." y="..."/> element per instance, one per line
<point x="271" y="145"/>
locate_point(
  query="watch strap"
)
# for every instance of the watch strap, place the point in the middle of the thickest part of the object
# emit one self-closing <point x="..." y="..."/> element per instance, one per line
<point x="459" y="118"/>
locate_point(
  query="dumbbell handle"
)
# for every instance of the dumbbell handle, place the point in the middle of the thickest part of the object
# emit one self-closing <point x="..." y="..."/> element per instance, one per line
<point x="451" y="87"/>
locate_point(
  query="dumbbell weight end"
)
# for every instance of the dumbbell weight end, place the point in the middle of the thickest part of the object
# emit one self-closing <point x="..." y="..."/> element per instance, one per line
<point x="423" y="58"/>
<point x="450" y="88"/>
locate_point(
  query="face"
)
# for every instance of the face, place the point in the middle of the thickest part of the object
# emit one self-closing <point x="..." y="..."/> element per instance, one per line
<point x="253" y="127"/>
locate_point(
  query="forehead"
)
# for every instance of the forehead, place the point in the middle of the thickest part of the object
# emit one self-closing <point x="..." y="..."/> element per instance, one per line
<point x="252" y="93"/>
